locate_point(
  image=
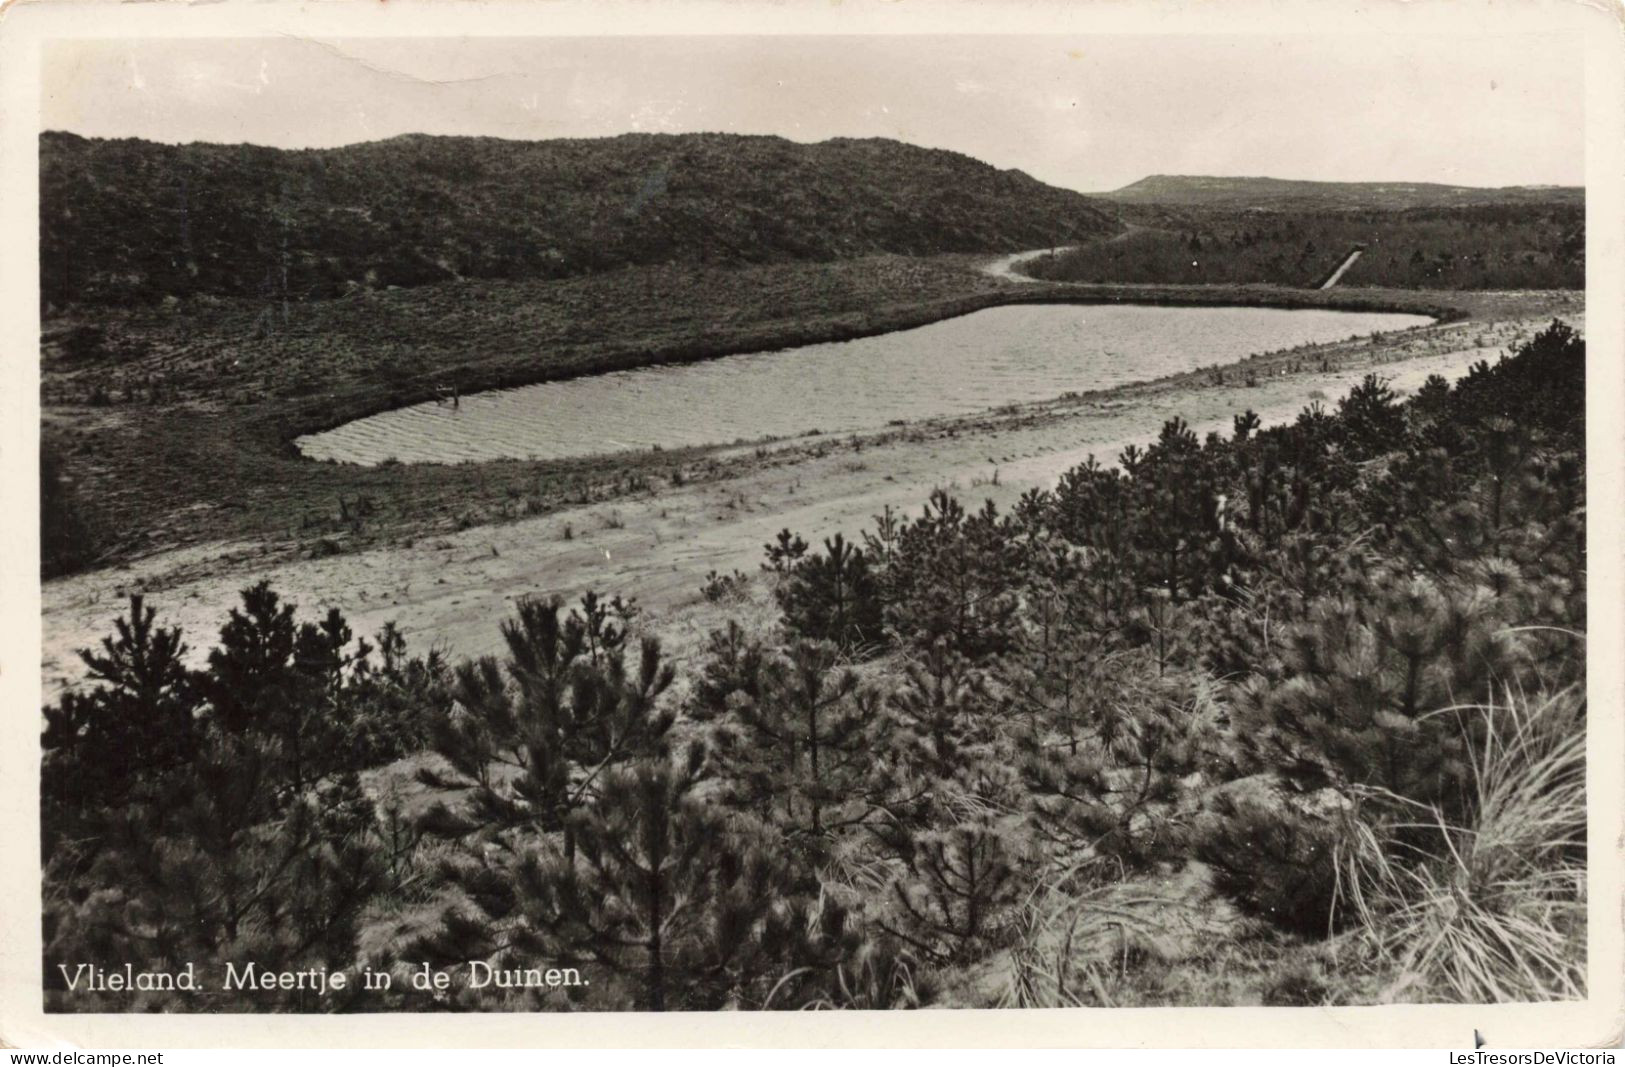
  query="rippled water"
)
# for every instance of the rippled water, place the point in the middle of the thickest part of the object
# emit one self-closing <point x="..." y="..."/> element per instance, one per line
<point x="998" y="356"/>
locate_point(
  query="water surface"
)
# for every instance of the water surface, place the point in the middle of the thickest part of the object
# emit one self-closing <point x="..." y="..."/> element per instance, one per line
<point x="1002" y="355"/>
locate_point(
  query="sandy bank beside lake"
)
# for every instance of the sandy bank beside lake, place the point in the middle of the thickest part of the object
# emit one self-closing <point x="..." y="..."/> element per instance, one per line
<point x="453" y="591"/>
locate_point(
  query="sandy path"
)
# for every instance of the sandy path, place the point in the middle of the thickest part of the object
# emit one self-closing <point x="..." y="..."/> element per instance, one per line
<point x="1342" y="269"/>
<point x="1004" y="268"/>
<point x="453" y="592"/>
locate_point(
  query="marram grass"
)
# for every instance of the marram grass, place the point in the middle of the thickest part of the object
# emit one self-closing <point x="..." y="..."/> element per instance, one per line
<point x="1493" y="909"/>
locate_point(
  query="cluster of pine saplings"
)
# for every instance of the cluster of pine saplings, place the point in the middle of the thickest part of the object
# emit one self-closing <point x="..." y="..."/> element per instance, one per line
<point x="1257" y="658"/>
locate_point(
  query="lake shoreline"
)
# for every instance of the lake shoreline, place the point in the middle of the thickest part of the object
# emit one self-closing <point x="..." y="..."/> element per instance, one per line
<point x="1445" y="307"/>
<point x="1021" y="353"/>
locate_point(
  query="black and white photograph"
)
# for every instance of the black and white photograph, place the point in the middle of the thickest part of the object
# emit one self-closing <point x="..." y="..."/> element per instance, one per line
<point x="867" y="518"/>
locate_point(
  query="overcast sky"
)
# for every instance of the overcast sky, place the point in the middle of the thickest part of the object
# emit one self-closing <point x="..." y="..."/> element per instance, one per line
<point x="1089" y="113"/>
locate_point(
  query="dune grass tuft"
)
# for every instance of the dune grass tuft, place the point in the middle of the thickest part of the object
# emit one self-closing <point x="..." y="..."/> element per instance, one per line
<point x="1490" y="907"/>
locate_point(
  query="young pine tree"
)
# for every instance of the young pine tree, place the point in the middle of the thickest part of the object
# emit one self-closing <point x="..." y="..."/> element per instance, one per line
<point x="802" y="748"/>
<point x="832" y="596"/>
<point x="273" y="678"/>
<point x="945" y="717"/>
<point x="530" y="741"/>
<point x="731" y="672"/>
<point x="220" y="866"/>
<point x="666" y="895"/>
<point x="953" y="576"/>
<point x="1123" y="794"/>
<point x="952" y="902"/>
<point x="138" y="722"/>
<point x="831" y="960"/>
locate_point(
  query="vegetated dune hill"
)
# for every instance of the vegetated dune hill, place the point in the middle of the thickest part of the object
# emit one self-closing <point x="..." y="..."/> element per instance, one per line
<point x="131" y="221"/>
<point x="1281" y="193"/>
<point x="1511" y="245"/>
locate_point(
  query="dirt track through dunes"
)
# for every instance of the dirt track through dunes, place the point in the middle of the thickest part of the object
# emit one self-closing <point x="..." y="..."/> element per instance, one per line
<point x="1342" y="269"/>
<point x="1004" y="268"/>
<point x="454" y="591"/>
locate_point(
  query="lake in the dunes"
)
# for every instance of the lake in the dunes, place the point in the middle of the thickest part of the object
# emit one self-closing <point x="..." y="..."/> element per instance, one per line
<point x="990" y="358"/>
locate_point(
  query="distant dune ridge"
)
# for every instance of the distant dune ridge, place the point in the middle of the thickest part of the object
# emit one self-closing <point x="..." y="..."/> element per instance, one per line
<point x="130" y="221"/>
<point x="134" y="222"/>
<point x="1200" y="191"/>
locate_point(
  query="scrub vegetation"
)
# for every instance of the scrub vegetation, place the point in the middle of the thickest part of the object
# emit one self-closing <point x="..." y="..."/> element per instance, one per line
<point x="1289" y="716"/>
<point x="1525" y="245"/>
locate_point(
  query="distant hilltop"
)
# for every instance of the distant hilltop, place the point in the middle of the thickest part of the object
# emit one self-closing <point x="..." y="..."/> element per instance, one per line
<point x="131" y="221"/>
<point x="1183" y="190"/>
